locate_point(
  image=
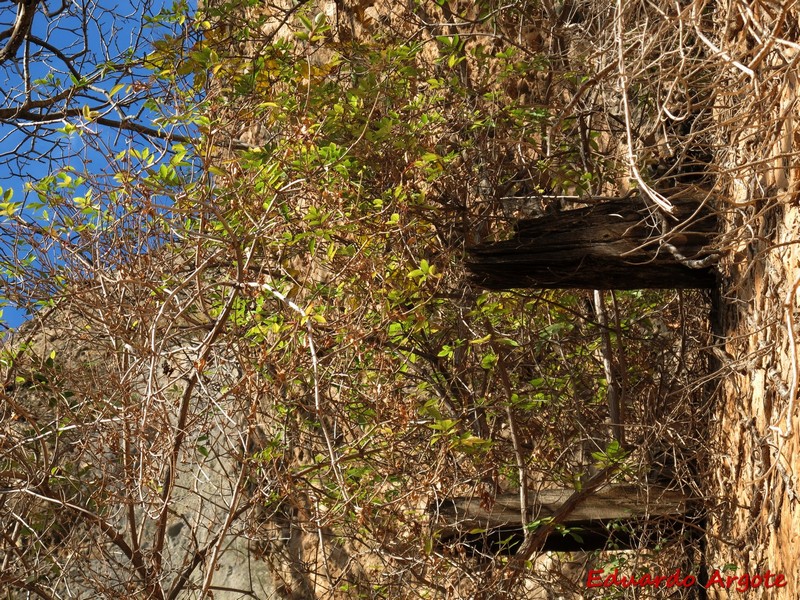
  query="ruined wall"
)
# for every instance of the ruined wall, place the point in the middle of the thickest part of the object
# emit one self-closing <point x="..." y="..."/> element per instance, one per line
<point x="753" y="485"/>
<point x="229" y="428"/>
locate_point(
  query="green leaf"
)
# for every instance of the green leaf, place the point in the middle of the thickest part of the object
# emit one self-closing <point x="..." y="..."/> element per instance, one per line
<point x="9" y="209"/>
<point x="306" y="22"/>
<point x="443" y="425"/>
<point x="67" y="129"/>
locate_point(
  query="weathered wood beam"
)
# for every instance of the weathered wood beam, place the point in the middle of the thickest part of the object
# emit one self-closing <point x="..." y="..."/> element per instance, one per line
<point x="620" y="244"/>
<point x="619" y="516"/>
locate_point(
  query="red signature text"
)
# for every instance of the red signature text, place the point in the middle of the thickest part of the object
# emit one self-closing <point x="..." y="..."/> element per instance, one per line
<point x="741" y="583"/>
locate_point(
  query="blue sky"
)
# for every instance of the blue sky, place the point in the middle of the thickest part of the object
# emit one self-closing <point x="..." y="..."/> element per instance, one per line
<point x="112" y="30"/>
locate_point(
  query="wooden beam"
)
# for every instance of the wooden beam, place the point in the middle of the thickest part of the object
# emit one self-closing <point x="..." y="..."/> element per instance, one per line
<point x="619" y="244"/>
<point x="617" y="515"/>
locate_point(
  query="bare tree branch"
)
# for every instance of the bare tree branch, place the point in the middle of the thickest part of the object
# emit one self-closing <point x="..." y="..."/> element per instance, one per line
<point x="16" y="34"/>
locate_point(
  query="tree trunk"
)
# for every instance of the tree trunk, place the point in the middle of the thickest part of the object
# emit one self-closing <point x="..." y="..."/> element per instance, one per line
<point x="620" y="245"/>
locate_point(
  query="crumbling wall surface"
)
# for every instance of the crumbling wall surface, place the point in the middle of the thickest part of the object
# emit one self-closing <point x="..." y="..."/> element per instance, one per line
<point x="127" y="474"/>
<point x="753" y="481"/>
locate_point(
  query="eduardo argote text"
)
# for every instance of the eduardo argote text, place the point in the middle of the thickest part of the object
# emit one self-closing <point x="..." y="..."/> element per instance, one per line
<point x="598" y="578"/>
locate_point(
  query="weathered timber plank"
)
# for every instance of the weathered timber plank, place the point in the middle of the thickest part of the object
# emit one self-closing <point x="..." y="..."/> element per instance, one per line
<point x="619" y="244"/>
<point x="638" y="509"/>
<point x="610" y="503"/>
